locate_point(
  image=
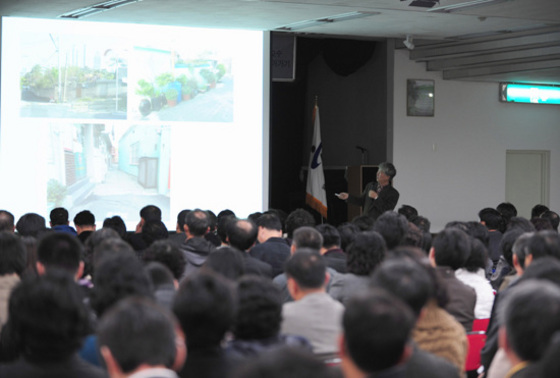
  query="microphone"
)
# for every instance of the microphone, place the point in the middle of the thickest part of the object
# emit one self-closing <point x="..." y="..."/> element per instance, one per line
<point x="361" y="149"/>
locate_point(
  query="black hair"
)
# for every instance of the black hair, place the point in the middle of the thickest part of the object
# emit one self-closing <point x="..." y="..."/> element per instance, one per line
<point x="116" y="223"/>
<point x="363" y="222"/>
<point x="60" y="250"/>
<point x="377" y="328"/>
<point x="6" y="221"/>
<point x="118" y="277"/>
<point x="91" y="243"/>
<point x="531" y="315"/>
<point x="307" y="237"/>
<point x="241" y="233"/>
<point x="181" y="218"/>
<point x="538" y="210"/>
<point x="167" y="253"/>
<point x="422" y="223"/>
<point x="553" y="218"/>
<point x="150" y="213"/>
<point x="365" y="253"/>
<point x="31" y="224"/>
<point x="84" y="218"/>
<point x="521" y="247"/>
<point x="521" y="223"/>
<point x="478" y="256"/>
<point x="159" y="274"/>
<point x="307" y="269"/>
<point x="281" y="214"/>
<point x="153" y="230"/>
<point x="541" y="224"/>
<point x="414" y="236"/>
<point x="298" y="218"/>
<point x="270" y="222"/>
<point x="348" y="232"/>
<point x="545" y="268"/>
<point x="198" y="222"/>
<point x="47" y="317"/>
<point x="259" y="311"/>
<point x="507" y="242"/>
<point x="138" y="332"/>
<point x="58" y="216"/>
<point x="544" y="243"/>
<point x="393" y="227"/>
<point x="331" y="236"/>
<point x="205" y="308"/>
<point x="222" y="226"/>
<point x="13" y="254"/>
<point x="492" y="218"/>
<point x="213" y="220"/>
<point x="407" y="280"/>
<point x="110" y="247"/>
<point x="507" y="210"/>
<point x="226" y="261"/>
<point x="408" y="211"/>
<point x="452" y="248"/>
<point x="478" y="231"/>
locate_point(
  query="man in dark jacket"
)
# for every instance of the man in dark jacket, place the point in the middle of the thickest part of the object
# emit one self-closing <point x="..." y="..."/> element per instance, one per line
<point x="196" y="248"/>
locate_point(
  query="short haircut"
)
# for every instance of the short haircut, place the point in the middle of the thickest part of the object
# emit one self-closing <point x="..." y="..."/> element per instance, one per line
<point x="181" y="218"/>
<point x="167" y="253"/>
<point x="521" y="223"/>
<point x="521" y="247"/>
<point x="285" y="362"/>
<point x="270" y="222"/>
<point x="60" y="250"/>
<point x="553" y="218"/>
<point x="198" y="222"/>
<point x="531" y="315"/>
<point x="307" y="237"/>
<point x="478" y="257"/>
<point x="58" y="216"/>
<point x="150" y="212"/>
<point x="116" y="223"/>
<point x="331" y="236"/>
<point x="365" y="253"/>
<point x="110" y="247"/>
<point x="393" y="227"/>
<point x="30" y="224"/>
<point x="159" y="274"/>
<point x="241" y="233"/>
<point x="348" y="232"/>
<point x="545" y="268"/>
<point x="507" y="242"/>
<point x="389" y="169"/>
<point x="492" y="218"/>
<point x="222" y="226"/>
<point x="84" y="218"/>
<point x="478" y="231"/>
<point x="48" y="317"/>
<point x="307" y="269"/>
<point x="226" y="261"/>
<point x="13" y="254"/>
<point x="407" y="280"/>
<point x="363" y="222"/>
<point x="298" y="218"/>
<point x="138" y="332"/>
<point x="259" y="312"/>
<point x="377" y="328"/>
<point x="408" y="211"/>
<point x="153" y="230"/>
<point x="422" y="223"/>
<point x="6" y="221"/>
<point x="205" y="308"/>
<point x="451" y="248"/>
<point x="538" y="210"/>
<point x="541" y="224"/>
<point x="544" y="243"/>
<point x="116" y="278"/>
<point x="507" y="210"/>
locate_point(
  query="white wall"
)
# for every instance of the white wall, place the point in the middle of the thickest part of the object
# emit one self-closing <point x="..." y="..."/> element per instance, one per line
<point x="471" y="131"/>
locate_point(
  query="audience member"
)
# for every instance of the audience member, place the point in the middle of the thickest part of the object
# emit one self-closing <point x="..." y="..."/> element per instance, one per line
<point x="508" y="211"/>
<point x="60" y="251"/>
<point x="226" y="261"/>
<point x="541" y="224"/>
<point x="494" y="221"/>
<point x="13" y="262"/>
<point x="59" y="221"/>
<point x="31" y="224"/>
<point x="393" y="227"/>
<point x="167" y="253"/>
<point x="116" y="223"/>
<point x="242" y="235"/>
<point x="163" y="284"/>
<point x="348" y="232"/>
<point x="179" y="236"/>
<point x="296" y="219"/>
<point x="363" y="222"/>
<point x="272" y="249"/>
<point x="7" y="221"/>
<point x="331" y="251"/>
<point x="538" y="210"/>
<point x="195" y="248"/>
<point x="408" y="211"/>
<point x="553" y="218"/>
<point x="85" y="224"/>
<point x="147" y="214"/>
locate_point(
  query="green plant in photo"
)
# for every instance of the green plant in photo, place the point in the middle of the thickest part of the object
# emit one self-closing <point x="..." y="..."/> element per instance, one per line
<point x="145" y="89"/>
<point x="56" y="192"/>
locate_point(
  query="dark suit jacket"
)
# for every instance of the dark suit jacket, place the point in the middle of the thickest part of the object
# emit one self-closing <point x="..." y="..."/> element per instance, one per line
<point x="71" y="368"/>
<point x="274" y="251"/>
<point x="462" y="298"/>
<point x="387" y="200"/>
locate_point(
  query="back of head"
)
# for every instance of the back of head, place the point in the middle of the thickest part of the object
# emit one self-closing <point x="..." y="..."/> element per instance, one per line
<point x="223" y="225"/>
<point x="520" y="223"/>
<point x="138" y="332"/>
<point x="13" y="254"/>
<point x="116" y="223"/>
<point x="507" y="242"/>
<point x="541" y="224"/>
<point x="61" y="251"/>
<point x="181" y="218"/>
<point x="259" y="311"/>
<point x="167" y="253"/>
<point x="307" y="269"/>
<point x="365" y="253"/>
<point x="348" y="232"/>
<point x="422" y="223"/>
<point x="159" y="274"/>
<point x="377" y="328"/>
<point x="270" y="222"/>
<point x="478" y="257"/>
<point x="553" y="218"/>
<point x="307" y="237"/>
<point x="538" y="210"/>
<point x="451" y="248"/>
<point x="7" y="221"/>
<point x="405" y="279"/>
<point x="198" y="222"/>
<point x="298" y="218"/>
<point x="48" y="317"/>
<point x="492" y="218"/>
<point x="544" y="243"/>
<point x="154" y="230"/>
<point x="408" y="211"/>
<point x="393" y="227"/>
<point x="84" y="218"/>
<point x="363" y="222"/>
<point x="241" y="233"/>
<point x="205" y="308"/>
<point x="58" y="216"/>
<point x="478" y="231"/>
<point x="30" y="224"/>
<point x="150" y="213"/>
<point x="226" y="261"/>
<point x="520" y="247"/>
<point x="545" y="268"/>
<point x="531" y="315"/>
<point x="118" y="277"/>
<point x="507" y="210"/>
<point x="331" y="236"/>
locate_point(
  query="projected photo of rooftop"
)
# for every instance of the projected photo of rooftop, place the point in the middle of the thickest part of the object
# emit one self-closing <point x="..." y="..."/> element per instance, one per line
<point x="65" y="75"/>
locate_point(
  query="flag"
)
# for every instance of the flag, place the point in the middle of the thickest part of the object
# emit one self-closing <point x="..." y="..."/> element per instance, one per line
<point x="316" y="196"/>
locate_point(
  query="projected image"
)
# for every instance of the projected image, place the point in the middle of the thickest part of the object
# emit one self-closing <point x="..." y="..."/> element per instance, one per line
<point x="181" y="84"/>
<point x="108" y="169"/>
<point x="65" y="75"/>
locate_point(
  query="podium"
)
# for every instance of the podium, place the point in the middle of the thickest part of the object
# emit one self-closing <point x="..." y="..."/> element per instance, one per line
<point x="358" y="177"/>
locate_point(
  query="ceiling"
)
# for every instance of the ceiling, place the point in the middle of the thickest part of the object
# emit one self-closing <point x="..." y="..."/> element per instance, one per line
<point x="481" y="40"/>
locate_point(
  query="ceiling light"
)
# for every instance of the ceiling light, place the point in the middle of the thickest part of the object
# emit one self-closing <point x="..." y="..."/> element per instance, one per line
<point x="465" y="5"/>
<point x="325" y="20"/>
<point x="97" y="8"/>
<point x="408" y="42"/>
